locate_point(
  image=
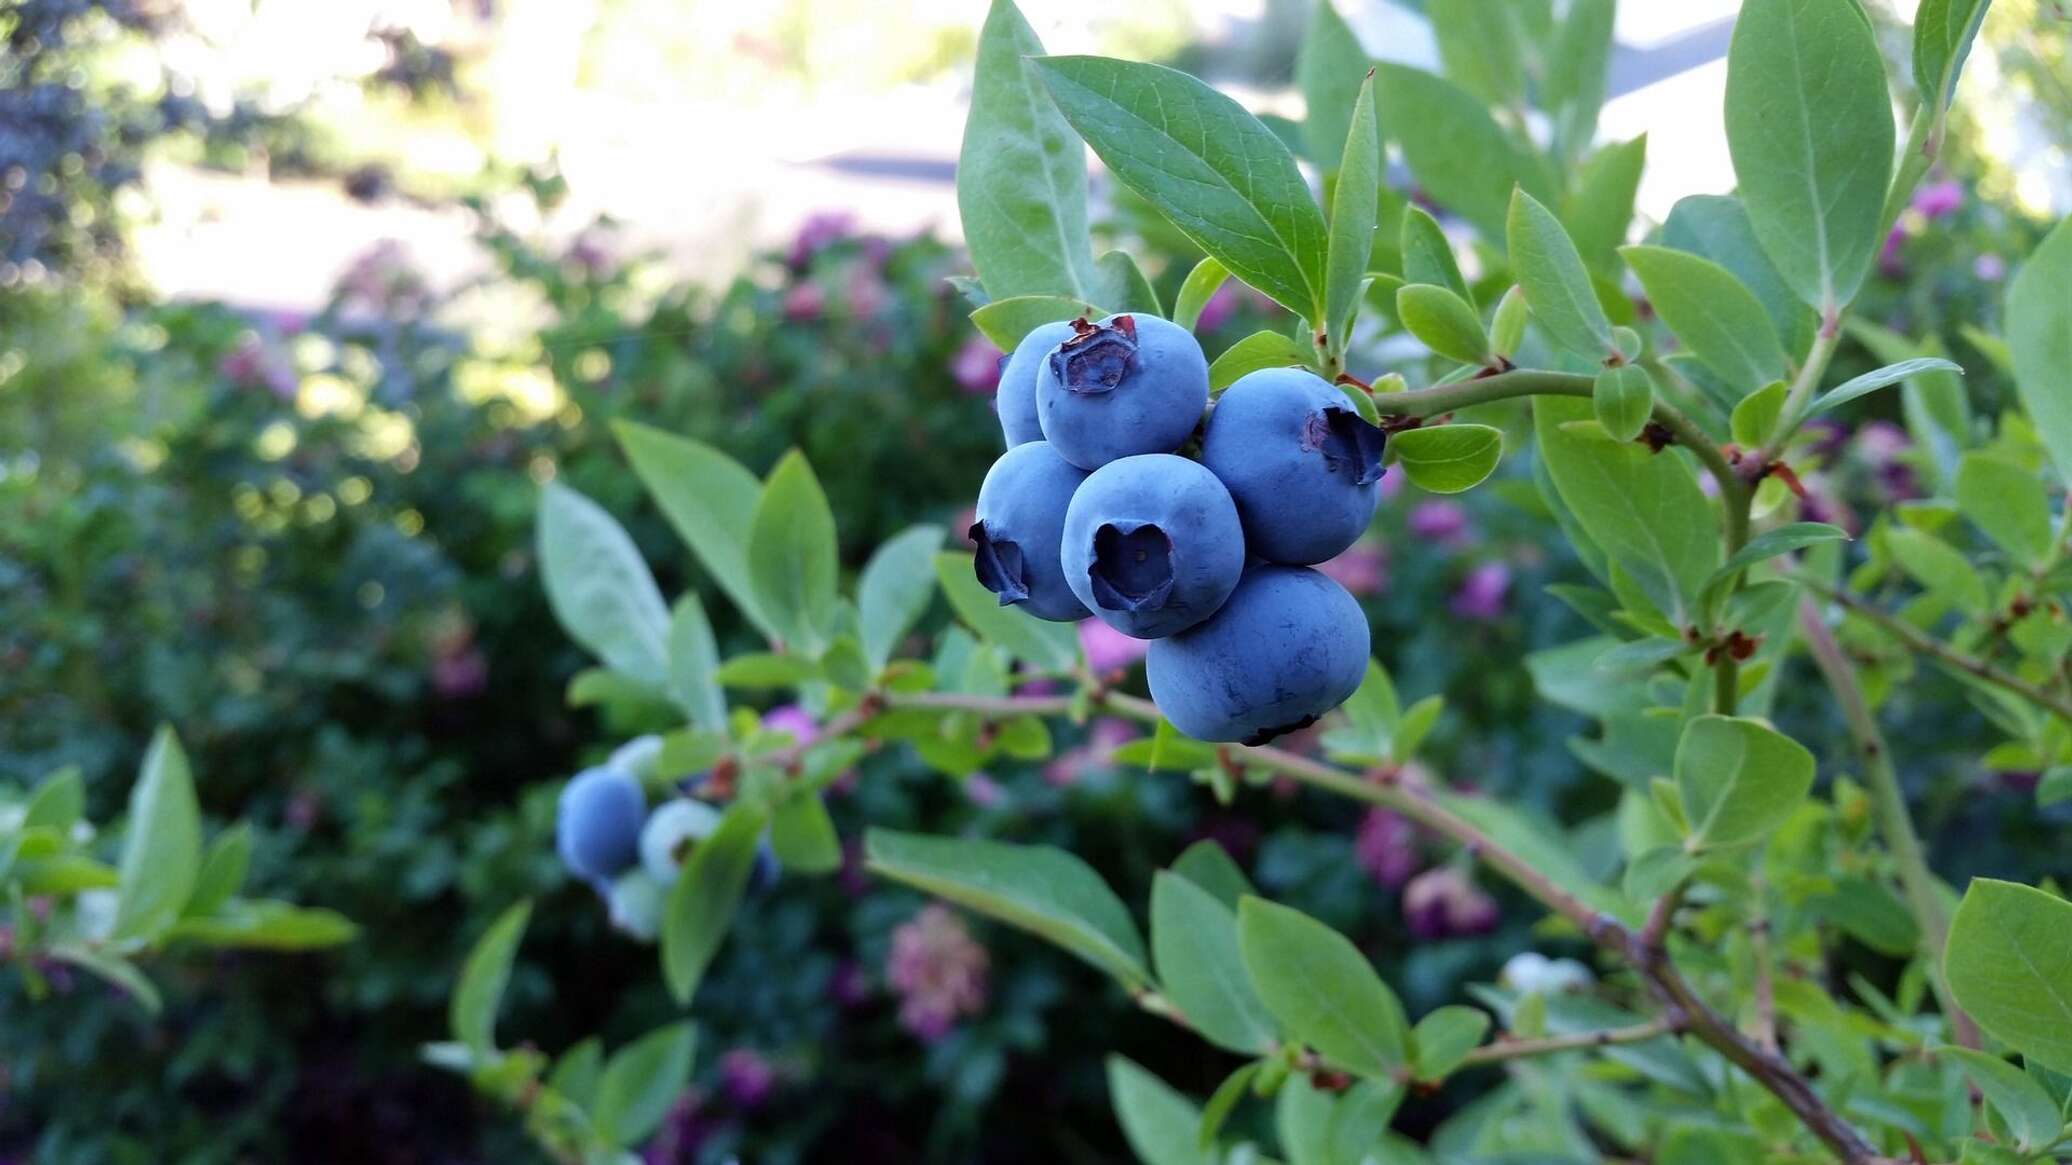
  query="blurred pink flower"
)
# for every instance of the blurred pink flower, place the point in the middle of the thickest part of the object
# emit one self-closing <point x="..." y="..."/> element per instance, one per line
<point x="256" y="363"/>
<point x="1989" y="267"/>
<point x="1219" y="308"/>
<point x="460" y="674"/>
<point x="938" y="971"/>
<point x="1106" y="648"/>
<point x="817" y="232"/>
<point x="1821" y="505"/>
<point x="1878" y="442"/>
<point x="1103" y="737"/>
<point x="590" y="253"/>
<point x="804" y="301"/>
<point x="867" y="294"/>
<point x="1439" y="520"/>
<point x="1481" y="595"/>
<point x="984" y="791"/>
<point x="382" y="282"/>
<point x="1443" y="903"/>
<point x="1890" y="263"/>
<point x="1391" y="482"/>
<point x="792" y="719"/>
<point x="748" y="1078"/>
<point x="1938" y="199"/>
<point x="1361" y="568"/>
<point x="1386" y="847"/>
<point x="976" y="366"/>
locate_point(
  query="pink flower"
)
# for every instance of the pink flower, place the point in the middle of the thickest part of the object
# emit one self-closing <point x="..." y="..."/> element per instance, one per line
<point x="1481" y="594"/>
<point x="1821" y="505"/>
<point x="1879" y="442"/>
<point x="1989" y="268"/>
<point x="1220" y="307"/>
<point x="1439" y="520"/>
<point x="748" y="1077"/>
<point x="817" y="232"/>
<point x="1890" y="265"/>
<point x="460" y="674"/>
<point x="984" y="791"/>
<point x="1361" y="568"/>
<point x="1938" y="199"/>
<point x="1386" y="847"/>
<point x="791" y="718"/>
<point x="976" y="366"/>
<point x="255" y="363"/>
<point x="1106" y="648"/>
<point x="1103" y="737"/>
<point x="1391" y="482"/>
<point x="804" y="301"/>
<point x="938" y="971"/>
<point x="868" y="295"/>
<point x="1443" y="903"/>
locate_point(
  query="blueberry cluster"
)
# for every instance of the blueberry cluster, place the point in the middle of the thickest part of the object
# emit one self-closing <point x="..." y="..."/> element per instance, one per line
<point x="1093" y="511"/>
<point x="608" y="837"/>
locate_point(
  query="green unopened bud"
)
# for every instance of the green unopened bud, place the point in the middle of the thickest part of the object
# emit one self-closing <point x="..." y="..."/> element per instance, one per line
<point x="1628" y="343"/>
<point x="1508" y="329"/>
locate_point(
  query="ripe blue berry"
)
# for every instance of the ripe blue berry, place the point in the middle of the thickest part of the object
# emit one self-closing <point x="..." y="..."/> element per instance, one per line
<point x="1129" y="384"/>
<point x="1021" y="516"/>
<point x="597" y="824"/>
<point x="1288" y="646"/>
<point x="1152" y="544"/>
<point x="672" y="831"/>
<point x="1015" y="399"/>
<point x="1303" y="467"/>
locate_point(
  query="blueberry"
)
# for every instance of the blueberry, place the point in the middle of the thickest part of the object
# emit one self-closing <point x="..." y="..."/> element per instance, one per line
<point x="1303" y="467"/>
<point x="1021" y="515"/>
<point x="672" y="831"/>
<point x="1289" y="646"/>
<point x="637" y="756"/>
<point x="635" y="904"/>
<point x="597" y="824"/>
<point x="1129" y="384"/>
<point x="1015" y="399"/>
<point x="1152" y="544"/>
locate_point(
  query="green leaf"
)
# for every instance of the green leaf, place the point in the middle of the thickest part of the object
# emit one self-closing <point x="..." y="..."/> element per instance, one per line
<point x="1448" y="458"/>
<point x="1600" y="207"/>
<point x="1553" y="853"/>
<point x="792" y="558"/>
<point x="1738" y="779"/>
<point x="1716" y="226"/>
<point x="1507" y="325"/>
<point x="1428" y="256"/>
<point x="2008" y="503"/>
<point x="1576" y="75"/>
<point x="1194" y="947"/>
<point x="472" y="1013"/>
<point x="1939" y="567"/>
<point x="1353" y="214"/>
<point x="1478" y="45"/>
<point x="641" y="1081"/>
<point x="1644" y="510"/>
<point x="265" y="924"/>
<point x="1443" y="322"/>
<point x="1043" y="890"/>
<point x="599" y="586"/>
<point x="1321" y="988"/>
<point x="2031" y="1115"/>
<point x="56" y="804"/>
<point x="803" y="835"/>
<point x="1557" y="286"/>
<point x="1455" y="150"/>
<point x="1021" y="176"/>
<point x="1443" y="1038"/>
<point x="1235" y="1088"/>
<point x="1809" y="125"/>
<point x="694" y="665"/>
<point x="1871" y="914"/>
<point x="1714" y="314"/>
<point x="222" y="871"/>
<point x="702" y="903"/>
<point x="577" y="1073"/>
<point x="1372" y="716"/>
<point x="896" y="587"/>
<point x="763" y="669"/>
<point x="1052" y="646"/>
<point x="1871" y="382"/>
<point x="2042" y="343"/>
<point x="161" y="848"/>
<point x="2009" y="963"/>
<point x="1201" y="285"/>
<point x="1124" y="285"/>
<point x="1208" y="865"/>
<point x="1206" y="164"/>
<point x="1755" y="417"/>
<point x="1329" y="67"/>
<point x="1624" y="399"/>
<point x="1161" y="1125"/>
<point x="2055" y="786"/>
<point x="708" y="498"/>
<point x="1259" y="350"/>
<point x="1318" y="1127"/>
<point x="1005" y="322"/>
<point x="118" y="971"/>
<point x="1771" y="543"/>
<point x="1943" y="32"/>
<point x="1655" y="872"/>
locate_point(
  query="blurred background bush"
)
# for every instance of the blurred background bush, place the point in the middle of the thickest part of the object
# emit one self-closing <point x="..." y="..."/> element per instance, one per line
<point x="280" y="494"/>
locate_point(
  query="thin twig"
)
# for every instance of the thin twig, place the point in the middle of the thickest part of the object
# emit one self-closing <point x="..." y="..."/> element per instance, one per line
<point x="1507" y="1049"/>
<point x="1941" y="652"/>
